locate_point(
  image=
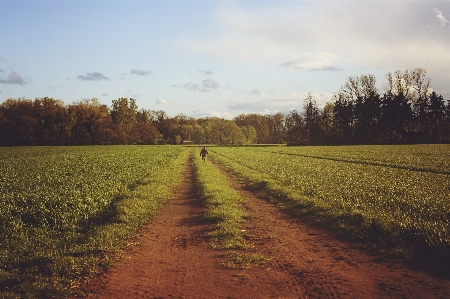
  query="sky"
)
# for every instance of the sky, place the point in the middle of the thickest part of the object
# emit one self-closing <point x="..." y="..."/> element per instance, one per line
<point x="210" y="58"/>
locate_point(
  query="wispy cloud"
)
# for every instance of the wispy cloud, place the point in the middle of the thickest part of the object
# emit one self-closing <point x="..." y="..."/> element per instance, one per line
<point x="13" y="78"/>
<point x="56" y="87"/>
<point x="205" y="72"/>
<point x="274" y="104"/>
<point x="209" y="84"/>
<point x="140" y="72"/>
<point x="206" y="86"/>
<point x="162" y="101"/>
<point x="94" y="76"/>
<point x="220" y="114"/>
<point x="255" y="92"/>
<point x="320" y="61"/>
<point x="191" y="86"/>
<point x="240" y="106"/>
<point x="441" y="17"/>
<point x="3" y="59"/>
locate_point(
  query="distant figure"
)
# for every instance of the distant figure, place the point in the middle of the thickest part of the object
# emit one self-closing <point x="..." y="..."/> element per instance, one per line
<point x="204" y="153"/>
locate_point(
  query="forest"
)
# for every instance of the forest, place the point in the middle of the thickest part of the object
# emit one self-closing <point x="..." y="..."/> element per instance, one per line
<point x="407" y="110"/>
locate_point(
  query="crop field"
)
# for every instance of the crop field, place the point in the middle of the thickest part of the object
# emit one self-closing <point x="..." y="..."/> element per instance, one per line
<point x="65" y="211"/>
<point x="59" y="206"/>
<point x="389" y="194"/>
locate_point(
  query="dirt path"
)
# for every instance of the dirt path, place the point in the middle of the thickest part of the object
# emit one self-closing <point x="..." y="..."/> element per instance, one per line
<point x="175" y="260"/>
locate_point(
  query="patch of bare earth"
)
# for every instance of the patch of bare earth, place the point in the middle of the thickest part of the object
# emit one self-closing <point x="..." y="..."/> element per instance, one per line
<point x="175" y="260"/>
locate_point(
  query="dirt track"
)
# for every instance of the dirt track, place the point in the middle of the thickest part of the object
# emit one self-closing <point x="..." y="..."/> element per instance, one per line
<point x="175" y="260"/>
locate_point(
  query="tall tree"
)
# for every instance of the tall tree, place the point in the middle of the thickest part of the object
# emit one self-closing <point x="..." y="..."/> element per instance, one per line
<point x="258" y="122"/>
<point x="295" y="127"/>
<point x="311" y="117"/>
<point x="343" y="118"/>
<point x="446" y="126"/>
<point x="396" y="115"/>
<point x="87" y="116"/>
<point x="436" y="115"/>
<point x="276" y="127"/>
<point x="123" y="114"/>
<point x="326" y="124"/>
<point x="54" y="125"/>
<point x="18" y="123"/>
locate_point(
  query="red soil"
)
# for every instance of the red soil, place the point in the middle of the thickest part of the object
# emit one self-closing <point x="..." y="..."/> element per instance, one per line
<point x="175" y="260"/>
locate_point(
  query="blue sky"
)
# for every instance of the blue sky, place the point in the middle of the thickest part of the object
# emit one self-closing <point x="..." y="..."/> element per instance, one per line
<point x="215" y="58"/>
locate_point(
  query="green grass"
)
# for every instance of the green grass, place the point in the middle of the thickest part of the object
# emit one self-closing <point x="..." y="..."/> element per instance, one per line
<point x="394" y="198"/>
<point x="223" y="207"/>
<point x="66" y="211"/>
<point x="239" y="260"/>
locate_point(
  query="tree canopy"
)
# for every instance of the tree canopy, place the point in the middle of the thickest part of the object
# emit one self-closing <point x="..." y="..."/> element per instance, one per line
<point x="407" y="111"/>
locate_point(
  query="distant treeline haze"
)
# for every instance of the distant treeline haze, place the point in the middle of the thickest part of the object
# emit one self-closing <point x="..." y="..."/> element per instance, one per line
<point x="408" y="111"/>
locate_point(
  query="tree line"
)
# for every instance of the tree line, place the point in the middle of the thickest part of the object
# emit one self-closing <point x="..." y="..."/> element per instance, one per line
<point x="408" y="111"/>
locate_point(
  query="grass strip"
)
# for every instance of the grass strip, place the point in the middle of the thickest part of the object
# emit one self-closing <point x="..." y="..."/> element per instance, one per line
<point x="224" y="206"/>
<point x="238" y="260"/>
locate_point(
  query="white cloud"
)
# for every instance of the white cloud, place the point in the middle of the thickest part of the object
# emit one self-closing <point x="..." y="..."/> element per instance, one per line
<point x="278" y="104"/>
<point x="319" y="61"/>
<point x="365" y="36"/>
<point x="219" y="114"/>
<point x="364" y="33"/>
<point x="441" y="17"/>
<point x="162" y="101"/>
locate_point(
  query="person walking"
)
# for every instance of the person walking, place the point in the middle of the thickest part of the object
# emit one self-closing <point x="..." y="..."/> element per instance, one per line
<point x="204" y="153"/>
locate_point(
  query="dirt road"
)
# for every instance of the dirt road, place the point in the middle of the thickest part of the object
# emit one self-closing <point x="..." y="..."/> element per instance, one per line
<point x="175" y="260"/>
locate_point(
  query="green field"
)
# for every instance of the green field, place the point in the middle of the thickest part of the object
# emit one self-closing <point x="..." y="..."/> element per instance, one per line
<point x="396" y="196"/>
<point x="64" y="211"/>
<point x="61" y="207"/>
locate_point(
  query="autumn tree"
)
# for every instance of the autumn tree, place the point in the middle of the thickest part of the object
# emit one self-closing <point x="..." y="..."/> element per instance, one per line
<point x="18" y="122"/>
<point x="123" y="114"/>
<point x="53" y="125"/>
<point x="87" y="116"/>
<point x="107" y="131"/>
<point x="145" y="132"/>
